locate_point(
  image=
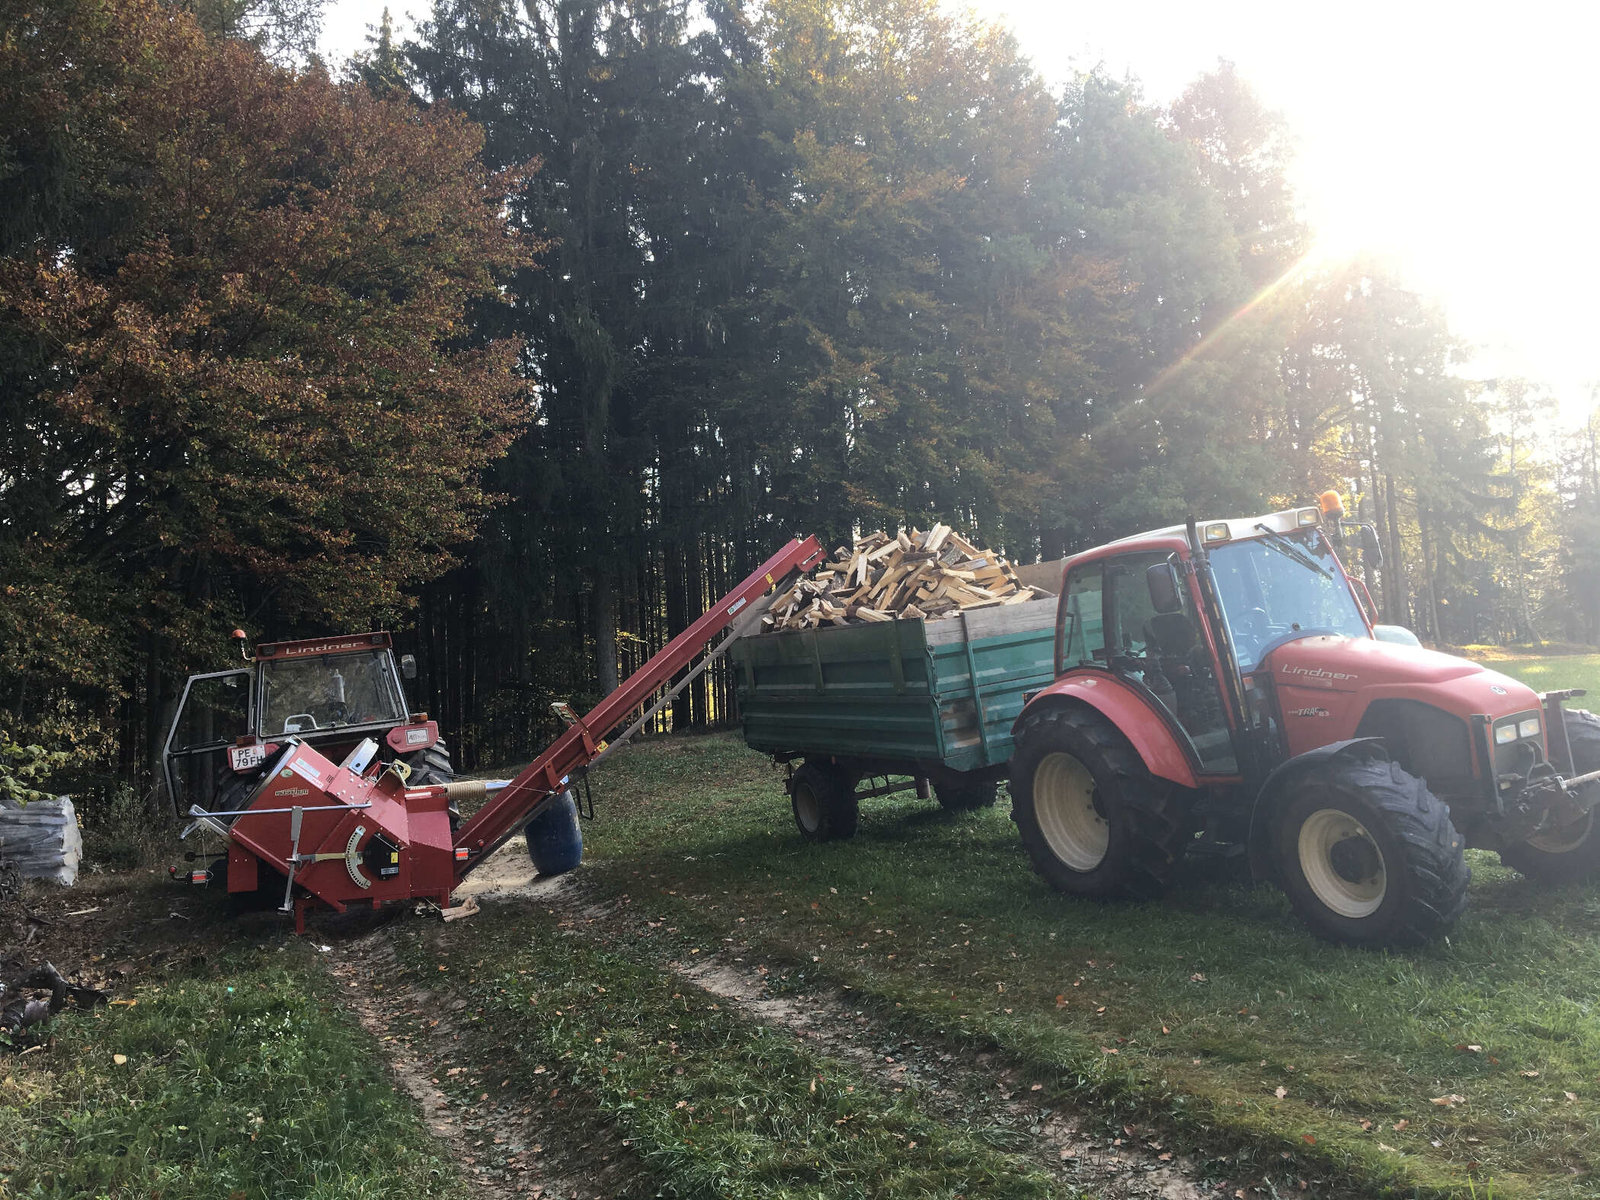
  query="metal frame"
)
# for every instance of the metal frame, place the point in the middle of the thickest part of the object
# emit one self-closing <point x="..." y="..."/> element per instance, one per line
<point x="167" y="753"/>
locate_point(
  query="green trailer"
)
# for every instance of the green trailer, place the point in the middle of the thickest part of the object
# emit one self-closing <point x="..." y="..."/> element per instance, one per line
<point x="871" y="709"/>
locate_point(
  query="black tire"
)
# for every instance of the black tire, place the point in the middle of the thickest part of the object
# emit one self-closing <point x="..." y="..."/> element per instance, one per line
<point x="966" y="795"/>
<point x="430" y="766"/>
<point x="1368" y="855"/>
<point x="433" y="766"/>
<point x="824" y="802"/>
<point x="1566" y="854"/>
<point x="1093" y="819"/>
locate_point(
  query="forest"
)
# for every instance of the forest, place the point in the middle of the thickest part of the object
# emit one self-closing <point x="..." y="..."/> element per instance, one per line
<point x="528" y="333"/>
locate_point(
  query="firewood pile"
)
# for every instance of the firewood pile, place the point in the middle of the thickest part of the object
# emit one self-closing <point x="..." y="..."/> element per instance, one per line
<point x="912" y="575"/>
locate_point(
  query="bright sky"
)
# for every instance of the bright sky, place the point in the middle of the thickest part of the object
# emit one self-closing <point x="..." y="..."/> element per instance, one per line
<point x="1456" y="137"/>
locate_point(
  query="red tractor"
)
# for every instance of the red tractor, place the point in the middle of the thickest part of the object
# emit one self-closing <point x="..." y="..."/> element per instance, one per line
<point x="1222" y="685"/>
<point x="331" y="693"/>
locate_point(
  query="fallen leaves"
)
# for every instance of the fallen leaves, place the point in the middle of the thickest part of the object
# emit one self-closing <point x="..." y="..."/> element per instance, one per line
<point x="1449" y="1101"/>
<point x="1280" y="1092"/>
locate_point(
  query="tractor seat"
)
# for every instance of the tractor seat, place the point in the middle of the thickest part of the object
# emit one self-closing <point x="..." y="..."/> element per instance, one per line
<point x="1172" y="634"/>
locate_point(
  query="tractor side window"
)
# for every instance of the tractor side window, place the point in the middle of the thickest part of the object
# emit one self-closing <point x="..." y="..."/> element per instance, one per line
<point x="1083" y="640"/>
<point x="217" y="711"/>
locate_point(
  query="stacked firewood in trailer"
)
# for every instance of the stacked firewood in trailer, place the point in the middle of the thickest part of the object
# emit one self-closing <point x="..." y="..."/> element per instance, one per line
<point x="912" y="574"/>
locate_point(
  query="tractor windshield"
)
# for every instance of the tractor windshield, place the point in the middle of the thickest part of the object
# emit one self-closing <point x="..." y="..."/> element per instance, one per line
<point x="1282" y="584"/>
<point x="320" y="692"/>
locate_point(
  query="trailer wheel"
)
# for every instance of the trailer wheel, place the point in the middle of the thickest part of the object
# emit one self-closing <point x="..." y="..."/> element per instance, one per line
<point x="1369" y="856"/>
<point x="966" y="795"/>
<point x="1566" y="853"/>
<point x="1093" y="819"/>
<point x="824" y="803"/>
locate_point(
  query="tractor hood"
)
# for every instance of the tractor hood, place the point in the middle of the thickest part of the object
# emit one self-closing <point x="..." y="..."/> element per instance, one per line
<point x="1341" y="664"/>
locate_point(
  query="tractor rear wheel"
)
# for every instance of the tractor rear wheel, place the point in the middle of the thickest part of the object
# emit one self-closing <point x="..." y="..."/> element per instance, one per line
<point x="430" y="766"/>
<point x="1570" y="852"/>
<point x="1368" y="855"/>
<point x="1093" y="819"/>
<point x="824" y="802"/>
<point x="966" y="795"/>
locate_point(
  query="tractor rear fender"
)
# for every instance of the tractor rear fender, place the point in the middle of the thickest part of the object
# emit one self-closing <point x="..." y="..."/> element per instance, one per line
<point x="1135" y="716"/>
<point x="1281" y="782"/>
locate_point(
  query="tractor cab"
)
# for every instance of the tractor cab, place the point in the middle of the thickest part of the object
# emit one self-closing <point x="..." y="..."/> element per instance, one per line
<point x="331" y="693"/>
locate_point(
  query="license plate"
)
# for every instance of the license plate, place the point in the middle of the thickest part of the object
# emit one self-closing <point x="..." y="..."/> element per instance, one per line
<point x="243" y="758"/>
<point x="416" y="737"/>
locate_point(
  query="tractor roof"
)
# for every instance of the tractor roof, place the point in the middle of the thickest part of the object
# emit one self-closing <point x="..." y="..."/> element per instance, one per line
<point x="1176" y="537"/>
<point x="343" y="644"/>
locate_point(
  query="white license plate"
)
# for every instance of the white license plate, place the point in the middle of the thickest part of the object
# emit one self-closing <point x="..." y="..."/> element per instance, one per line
<point x="416" y="737"/>
<point x="244" y="757"/>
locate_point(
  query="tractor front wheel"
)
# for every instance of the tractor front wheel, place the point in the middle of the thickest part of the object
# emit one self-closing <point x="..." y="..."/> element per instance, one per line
<point x="824" y="802"/>
<point x="1093" y="819"/>
<point x="1369" y="856"/>
<point x="1570" y="852"/>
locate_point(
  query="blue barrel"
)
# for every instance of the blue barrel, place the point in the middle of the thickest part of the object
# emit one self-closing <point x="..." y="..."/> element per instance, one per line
<point x="555" y="843"/>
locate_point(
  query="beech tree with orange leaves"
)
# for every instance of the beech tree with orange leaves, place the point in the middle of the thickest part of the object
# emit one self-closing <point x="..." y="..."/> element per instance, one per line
<point x="238" y="380"/>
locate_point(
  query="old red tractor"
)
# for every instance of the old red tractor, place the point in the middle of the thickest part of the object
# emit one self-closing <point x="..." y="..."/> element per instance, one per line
<point x="331" y="693"/>
<point x="1221" y="685"/>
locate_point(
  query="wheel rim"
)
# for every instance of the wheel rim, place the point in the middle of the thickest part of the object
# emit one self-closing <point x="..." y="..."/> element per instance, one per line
<point x="1564" y="839"/>
<point x="1063" y="804"/>
<point x="806" y="809"/>
<point x="1342" y="863"/>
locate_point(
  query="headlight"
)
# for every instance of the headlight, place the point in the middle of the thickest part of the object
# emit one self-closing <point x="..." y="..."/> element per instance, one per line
<point x="1505" y="734"/>
<point x="1529" y="728"/>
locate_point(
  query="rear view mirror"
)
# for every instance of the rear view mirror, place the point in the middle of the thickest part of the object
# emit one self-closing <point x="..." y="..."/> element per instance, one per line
<point x="408" y="665"/>
<point x="1371" y="548"/>
<point x="1162" y="580"/>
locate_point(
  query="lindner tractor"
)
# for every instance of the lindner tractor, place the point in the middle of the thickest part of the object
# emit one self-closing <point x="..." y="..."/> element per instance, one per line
<point x="1222" y="681"/>
<point x="331" y="693"/>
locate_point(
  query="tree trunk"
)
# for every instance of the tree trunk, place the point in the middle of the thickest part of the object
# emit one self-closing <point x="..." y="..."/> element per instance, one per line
<point x="1397" y="599"/>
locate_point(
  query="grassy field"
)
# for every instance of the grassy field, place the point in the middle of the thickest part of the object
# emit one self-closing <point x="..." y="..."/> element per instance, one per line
<point x="1213" y="1020"/>
<point x="1550" y="673"/>
<point x="238" y="1079"/>
<point x="1467" y="1068"/>
<point x="712" y="1103"/>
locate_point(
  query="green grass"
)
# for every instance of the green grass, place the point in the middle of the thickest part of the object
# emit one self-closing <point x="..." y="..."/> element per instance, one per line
<point x="240" y="1082"/>
<point x="713" y="1104"/>
<point x="1545" y="674"/>
<point x="1210" y="1001"/>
